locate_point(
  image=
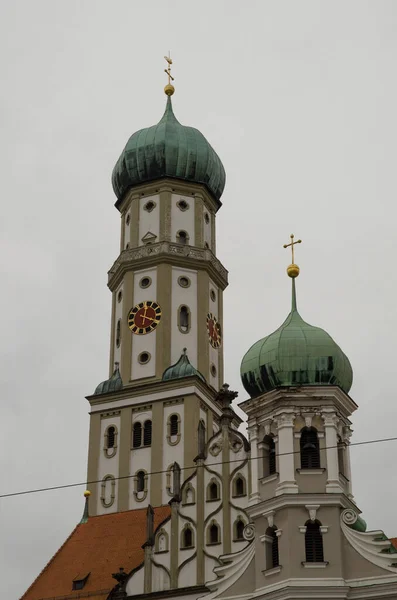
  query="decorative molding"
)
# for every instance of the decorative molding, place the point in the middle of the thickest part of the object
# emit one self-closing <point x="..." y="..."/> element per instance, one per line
<point x="312" y="510"/>
<point x="273" y="571"/>
<point x="269" y="478"/>
<point x="270" y="517"/>
<point x="318" y="471"/>
<point x="315" y="565"/>
<point x="249" y="532"/>
<point x="164" y="249"/>
<point x="109" y="414"/>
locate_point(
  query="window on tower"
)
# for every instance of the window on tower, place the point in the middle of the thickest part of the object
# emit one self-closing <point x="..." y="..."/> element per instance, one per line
<point x="147" y="433"/>
<point x="182" y="237"/>
<point x="111" y="437"/>
<point x="174" y="425"/>
<point x="187" y="537"/>
<point x="118" y="333"/>
<point x="213" y="491"/>
<point x="269" y="456"/>
<point x="314" y="542"/>
<point x="184" y="319"/>
<point x="239" y="486"/>
<point x="309" y="448"/>
<point x="239" y="530"/>
<point x="341" y="456"/>
<point x="137" y="435"/>
<point x="140" y="481"/>
<point x="213" y="533"/>
<point x="271" y="549"/>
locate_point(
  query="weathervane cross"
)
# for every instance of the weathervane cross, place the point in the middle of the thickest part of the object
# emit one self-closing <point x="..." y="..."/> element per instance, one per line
<point x="168" y="71"/>
<point x="292" y="244"/>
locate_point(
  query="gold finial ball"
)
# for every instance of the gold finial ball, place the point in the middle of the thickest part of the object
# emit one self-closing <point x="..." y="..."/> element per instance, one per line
<point x="293" y="270"/>
<point x="169" y="89"/>
<point x="87" y="494"/>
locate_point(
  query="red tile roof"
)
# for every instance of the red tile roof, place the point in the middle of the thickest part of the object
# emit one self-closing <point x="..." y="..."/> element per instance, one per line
<point x="394" y="542"/>
<point x="99" y="547"/>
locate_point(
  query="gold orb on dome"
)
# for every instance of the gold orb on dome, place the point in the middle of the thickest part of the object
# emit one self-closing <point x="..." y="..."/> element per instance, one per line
<point x="169" y="89"/>
<point x="293" y="270"/>
<point x="87" y="494"/>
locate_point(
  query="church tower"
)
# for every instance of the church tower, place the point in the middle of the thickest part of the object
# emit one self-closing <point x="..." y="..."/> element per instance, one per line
<point x="166" y="356"/>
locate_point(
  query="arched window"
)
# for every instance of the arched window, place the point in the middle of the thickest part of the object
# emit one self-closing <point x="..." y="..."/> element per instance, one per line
<point x="213" y="490"/>
<point x="310" y="449"/>
<point x="187" y="537"/>
<point x="213" y="534"/>
<point x="269" y="456"/>
<point x="239" y="530"/>
<point x="239" y="487"/>
<point x="111" y="437"/>
<point x="137" y="435"/>
<point x="314" y="542"/>
<point x="174" y="425"/>
<point x="182" y="237"/>
<point x="272" y="558"/>
<point x="184" y="319"/>
<point x="147" y="433"/>
<point x="140" y="481"/>
<point x="188" y="494"/>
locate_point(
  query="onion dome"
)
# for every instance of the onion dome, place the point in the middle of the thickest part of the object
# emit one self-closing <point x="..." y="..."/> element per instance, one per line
<point x="168" y="149"/>
<point x="113" y="384"/>
<point x="183" y="368"/>
<point x="295" y="354"/>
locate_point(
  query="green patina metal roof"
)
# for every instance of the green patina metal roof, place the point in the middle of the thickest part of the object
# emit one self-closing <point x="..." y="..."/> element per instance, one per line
<point x="183" y="368"/>
<point x="168" y="149"/>
<point x="295" y="354"/>
<point x="113" y="384"/>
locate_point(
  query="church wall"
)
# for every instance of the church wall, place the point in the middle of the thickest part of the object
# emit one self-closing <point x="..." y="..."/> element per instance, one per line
<point x="183" y="219"/>
<point x="149" y="221"/>
<point x="135" y="585"/>
<point x="187" y="574"/>
<point x="160" y="578"/>
<point x="144" y="343"/>
<point x="184" y="297"/>
<point x="357" y="567"/>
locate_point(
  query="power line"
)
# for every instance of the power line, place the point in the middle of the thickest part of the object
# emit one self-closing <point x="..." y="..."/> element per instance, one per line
<point x="85" y="483"/>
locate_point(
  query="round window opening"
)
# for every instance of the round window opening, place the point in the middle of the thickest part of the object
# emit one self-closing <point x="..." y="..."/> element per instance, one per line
<point x="149" y="206"/>
<point x="213" y="370"/>
<point x="144" y="358"/>
<point x="128" y="219"/>
<point x="145" y="282"/>
<point x="182" y="205"/>
<point x="184" y="281"/>
<point x="119" y="296"/>
<point x="212" y="295"/>
<point x="207" y="218"/>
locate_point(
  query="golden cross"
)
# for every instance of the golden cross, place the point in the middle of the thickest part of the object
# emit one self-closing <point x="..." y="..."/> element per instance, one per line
<point x="168" y="71"/>
<point x="292" y="244"/>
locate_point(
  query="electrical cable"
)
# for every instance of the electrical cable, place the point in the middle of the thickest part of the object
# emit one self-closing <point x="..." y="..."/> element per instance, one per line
<point x="86" y="483"/>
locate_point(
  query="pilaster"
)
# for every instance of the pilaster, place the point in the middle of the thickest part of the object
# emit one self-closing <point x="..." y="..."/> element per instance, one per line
<point x="253" y="438"/>
<point x="286" y="460"/>
<point x="331" y="446"/>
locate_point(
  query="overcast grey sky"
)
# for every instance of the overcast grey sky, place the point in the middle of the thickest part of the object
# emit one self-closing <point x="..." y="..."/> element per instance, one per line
<point x="299" y="100"/>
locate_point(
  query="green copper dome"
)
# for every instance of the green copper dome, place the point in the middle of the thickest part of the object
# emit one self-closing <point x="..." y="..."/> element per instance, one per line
<point x="168" y="149"/>
<point x="295" y="354"/>
<point x="183" y="368"/>
<point x="113" y="384"/>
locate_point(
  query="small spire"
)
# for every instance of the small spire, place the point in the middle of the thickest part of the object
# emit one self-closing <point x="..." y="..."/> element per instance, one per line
<point x="84" y="518"/>
<point x="293" y="304"/>
<point x="169" y="88"/>
<point x="292" y="269"/>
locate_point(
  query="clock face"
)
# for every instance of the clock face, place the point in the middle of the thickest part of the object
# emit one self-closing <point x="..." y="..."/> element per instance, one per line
<point x="144" y="317"/>
<point x="214" y="331"/>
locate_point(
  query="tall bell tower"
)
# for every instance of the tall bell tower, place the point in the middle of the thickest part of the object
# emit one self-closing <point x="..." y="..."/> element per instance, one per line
<point x="166" y="358"/>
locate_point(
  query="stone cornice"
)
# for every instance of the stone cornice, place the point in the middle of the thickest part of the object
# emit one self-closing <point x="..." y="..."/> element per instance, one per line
<point x="292" y="500"/>
<point x="175" y="186"/>
<point x="309" y="398"/>
<point x="167" y="252"/>
<point x="175" y="388"/>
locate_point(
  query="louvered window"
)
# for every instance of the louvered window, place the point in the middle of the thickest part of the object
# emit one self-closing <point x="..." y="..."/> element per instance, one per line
<point x="240" y="530"/>
<point x="137" y="435"/>
<point x="174" y="425"/>
<point x="187" y="538"/>
<point x="310" y="450"/>
<point x="111" y="437"/>
<point x="272" y="558"/>
<point x="314" y="542"/>
<point x="275" y="559"/>
<point x="147" y="433"/>
<point x="214" y="534"/>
